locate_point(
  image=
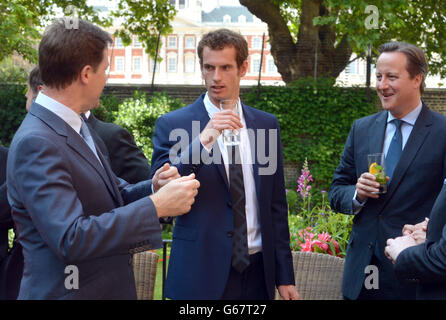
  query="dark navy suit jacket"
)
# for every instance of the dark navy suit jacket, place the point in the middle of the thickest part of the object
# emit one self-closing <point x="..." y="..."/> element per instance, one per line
<point x="200" y="259"/>
<point x="71" y="210"/>
<point x="426" y="263"/>
<point x="416" y="182"/>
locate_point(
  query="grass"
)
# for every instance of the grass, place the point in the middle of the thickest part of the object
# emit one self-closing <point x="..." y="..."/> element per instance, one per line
<point x="158" y="294"/>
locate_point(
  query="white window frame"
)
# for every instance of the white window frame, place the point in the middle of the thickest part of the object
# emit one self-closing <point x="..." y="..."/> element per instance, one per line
<point x="120" y="60"/>
<point x="135" y="70"/>
<point x="256" y="44"/>
<point x="190" y="58"/>
<point x="271" y="62"/>
<point x="190" y="38"/>
<point x="136" y="42"/>
<point x="152" y="64"/>
<point x="254" y="59"/>
<point x="119" y="43"/>
<point x="170" y="44"/>
<point x="169" y="70"/>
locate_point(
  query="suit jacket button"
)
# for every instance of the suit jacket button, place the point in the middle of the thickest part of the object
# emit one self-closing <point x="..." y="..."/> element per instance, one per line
<point x="370" y="245"/>
<point x="230" y="234"/>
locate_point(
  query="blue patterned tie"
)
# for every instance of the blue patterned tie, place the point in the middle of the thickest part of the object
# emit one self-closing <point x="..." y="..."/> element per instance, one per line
<point x="85" y="133"/>
<point x="395" y="149"/>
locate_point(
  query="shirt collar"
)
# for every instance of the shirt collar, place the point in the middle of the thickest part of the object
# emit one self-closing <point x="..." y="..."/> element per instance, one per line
<point x="410" y="118"/>
<point x="61" y="110"/>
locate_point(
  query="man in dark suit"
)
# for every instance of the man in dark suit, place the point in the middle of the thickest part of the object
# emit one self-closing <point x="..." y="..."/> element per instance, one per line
<point x="116" y="143"/>
<point x="78" y="223"/>
<point x="126" y="159"/>
<point x="234" y="244"/>
<point x="425" y="262"/>
<point x="405" y="132"/>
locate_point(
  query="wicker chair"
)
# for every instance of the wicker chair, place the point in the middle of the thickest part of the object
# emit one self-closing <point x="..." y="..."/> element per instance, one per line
<point x="144" y="268"/>
<point x="318" y="276"/>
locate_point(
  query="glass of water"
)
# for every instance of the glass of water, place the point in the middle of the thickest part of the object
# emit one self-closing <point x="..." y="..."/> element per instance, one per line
<point x="230" y="137"/>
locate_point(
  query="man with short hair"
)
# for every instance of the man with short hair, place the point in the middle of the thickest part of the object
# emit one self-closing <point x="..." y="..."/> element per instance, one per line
<point x="78" y="223"/>
<point x="234" y="244"/>
<point x="405" y="131"/>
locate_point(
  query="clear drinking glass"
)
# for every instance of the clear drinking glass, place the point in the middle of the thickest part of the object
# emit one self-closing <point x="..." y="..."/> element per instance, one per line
<point x="377" y="167"/>
<point x="231" y="138"/>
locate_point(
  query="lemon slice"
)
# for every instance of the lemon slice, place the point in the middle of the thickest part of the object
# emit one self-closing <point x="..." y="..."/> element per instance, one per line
<point x="375" y="168"/>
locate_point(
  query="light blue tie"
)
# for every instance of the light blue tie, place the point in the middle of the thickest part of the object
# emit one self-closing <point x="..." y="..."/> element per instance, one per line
<point x="395" y="149"/>
<point x="85" y="133"/>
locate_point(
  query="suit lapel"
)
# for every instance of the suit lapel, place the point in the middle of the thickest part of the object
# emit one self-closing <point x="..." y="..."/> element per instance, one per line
<point x="250" y="124"/>
<point x="418" y="135"/>
<point x="203" y="118"/>
<point x="73" y="139"/>
<point x="376" y="133"/>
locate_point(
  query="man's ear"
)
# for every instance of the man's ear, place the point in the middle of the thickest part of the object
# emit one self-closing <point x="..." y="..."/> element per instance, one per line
<point x="418" y="80"/>
<point x="84" y="75"/>
<point x="243" y="69"/>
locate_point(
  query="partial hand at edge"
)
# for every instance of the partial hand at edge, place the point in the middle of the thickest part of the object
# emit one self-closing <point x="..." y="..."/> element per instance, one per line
<point x="288" y="292"/>
<point x="164" y="175"/>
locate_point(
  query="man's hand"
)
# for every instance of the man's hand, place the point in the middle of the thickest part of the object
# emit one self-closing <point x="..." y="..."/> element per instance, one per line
<point x="395" y="246"/>
<point x="418" y="231"/>
<point x="176" y="197"/>
<point x="367" y="187"/>
<point x="164" y="175"/>
<point x="224" y="120"/>
<point x="288" y="292"/>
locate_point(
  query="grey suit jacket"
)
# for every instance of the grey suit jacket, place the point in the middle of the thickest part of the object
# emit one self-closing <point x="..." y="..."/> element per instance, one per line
<point x="70" y="211"/>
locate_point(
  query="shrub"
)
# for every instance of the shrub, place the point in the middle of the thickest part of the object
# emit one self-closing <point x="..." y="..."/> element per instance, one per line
<point x="315" y="119"/>
<point x="109" y="104"/>
<point x="138" y="115"/>
<point x="12" y="111"/>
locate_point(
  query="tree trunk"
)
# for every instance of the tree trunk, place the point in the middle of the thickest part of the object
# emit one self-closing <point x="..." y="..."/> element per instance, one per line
<point x="297" y="60"/>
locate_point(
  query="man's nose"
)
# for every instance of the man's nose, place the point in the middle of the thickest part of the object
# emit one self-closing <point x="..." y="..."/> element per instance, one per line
<point x="383" y="83"/>
<point x="217" y="75"/>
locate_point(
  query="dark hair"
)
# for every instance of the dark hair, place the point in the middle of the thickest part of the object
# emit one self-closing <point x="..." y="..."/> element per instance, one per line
<point x="34" y="80"/>
<point x="416" y="59"/>
<point x="65" y="50"/>
<point x="222" y="38"/>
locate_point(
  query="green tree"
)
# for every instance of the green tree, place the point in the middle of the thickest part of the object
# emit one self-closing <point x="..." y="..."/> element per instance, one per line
<point x="22" y="21"/>
<point x="343" y="27"/>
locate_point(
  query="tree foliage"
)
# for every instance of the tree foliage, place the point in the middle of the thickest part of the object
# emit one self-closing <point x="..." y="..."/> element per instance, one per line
<point x="22" y="22"/>
<point x="343" y="27"/>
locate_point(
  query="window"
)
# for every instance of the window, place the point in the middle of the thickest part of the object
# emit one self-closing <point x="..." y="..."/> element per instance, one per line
<point x="255" y="65"/>
<point x="172" y="64"/>
<point x="137" y="64"/>
<point x="171" y="42"/>
<point x="136" y="43"/>
<point x="152" y="64"/>
<point x="272" y="68"/>
<point x="118" y="43"/>
<point x="172" y="2"/>
<point x="351" y="68"/>
<point x="190" y="64"/>
<point x="257" y="43"/>
<point x="227" y="19"/>
<point x="119" y="64"/>
<point x="242" y="19"/>
<point x="190" y="42"/>
<point x="182" y="4"/>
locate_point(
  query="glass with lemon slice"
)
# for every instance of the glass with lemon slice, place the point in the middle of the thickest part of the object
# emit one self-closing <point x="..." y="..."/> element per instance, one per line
<point x="377" y="168"/>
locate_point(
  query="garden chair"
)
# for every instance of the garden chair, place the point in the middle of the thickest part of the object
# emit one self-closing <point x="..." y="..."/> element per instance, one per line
<point x="318" y="276"/>
<point x="144" y="268"/>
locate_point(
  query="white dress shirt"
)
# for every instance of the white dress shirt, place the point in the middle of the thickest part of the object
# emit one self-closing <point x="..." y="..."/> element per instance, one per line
<point x="251" y="207"/>
<point x="406" y="129"/>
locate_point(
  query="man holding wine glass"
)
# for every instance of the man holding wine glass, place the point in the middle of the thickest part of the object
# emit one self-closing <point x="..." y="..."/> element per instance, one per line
<point x="235" y="243"/>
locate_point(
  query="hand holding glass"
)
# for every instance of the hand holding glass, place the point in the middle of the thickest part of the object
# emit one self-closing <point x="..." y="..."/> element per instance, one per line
<point x="377" y="168"/>
<point x="231" y="138"/>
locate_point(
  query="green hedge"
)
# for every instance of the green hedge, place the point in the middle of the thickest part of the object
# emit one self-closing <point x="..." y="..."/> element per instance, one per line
<point x="12" y="111"/>
<point x="138" y="116"/>
<point x="315" y="119"/>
